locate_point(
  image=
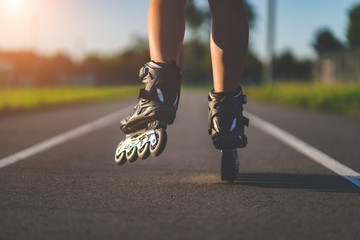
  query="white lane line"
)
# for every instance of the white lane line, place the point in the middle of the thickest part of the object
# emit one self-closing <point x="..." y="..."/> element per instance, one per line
<point x="259" y="123"/>
<point x="64" y="137"/>
<point x="305" y="149"/>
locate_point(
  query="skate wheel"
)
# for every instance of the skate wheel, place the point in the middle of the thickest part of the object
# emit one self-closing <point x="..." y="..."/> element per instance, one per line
<point x="229" y="165"/>
<point x="158" y="147"/>
<point x="131" y="156"/>
<point x="120" y="159"/>
<point x="144" y="152"/>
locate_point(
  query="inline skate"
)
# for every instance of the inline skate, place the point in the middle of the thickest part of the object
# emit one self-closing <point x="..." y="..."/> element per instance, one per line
<point x="226" y="128"/>
<point x="145" y="128"/>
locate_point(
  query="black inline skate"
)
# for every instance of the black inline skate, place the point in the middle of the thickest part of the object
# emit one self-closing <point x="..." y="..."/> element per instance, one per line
<point x="145" y="128"/>
<point x="226" y="128"/>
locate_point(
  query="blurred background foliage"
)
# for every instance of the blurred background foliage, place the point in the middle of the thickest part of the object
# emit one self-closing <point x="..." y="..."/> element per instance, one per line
<point x="335" y="60"/>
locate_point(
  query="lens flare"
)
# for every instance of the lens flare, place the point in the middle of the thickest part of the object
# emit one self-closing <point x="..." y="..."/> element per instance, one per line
<point x="14" y="4"/>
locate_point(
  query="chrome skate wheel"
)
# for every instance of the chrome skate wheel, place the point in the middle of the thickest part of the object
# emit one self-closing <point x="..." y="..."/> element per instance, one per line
<point x="144" y="152"/>
<point x="120" y="159"/>
<point x="157" y="147"/>
<point x="131" y="156"/>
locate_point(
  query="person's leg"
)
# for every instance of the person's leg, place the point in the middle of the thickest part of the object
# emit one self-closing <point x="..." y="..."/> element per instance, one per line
<point x="166" y="27"/>
<point x="158" y="101"/>
<point x="228" y="43"/>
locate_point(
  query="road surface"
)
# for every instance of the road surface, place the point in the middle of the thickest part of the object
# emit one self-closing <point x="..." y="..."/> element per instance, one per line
<point x="74" y="190"/>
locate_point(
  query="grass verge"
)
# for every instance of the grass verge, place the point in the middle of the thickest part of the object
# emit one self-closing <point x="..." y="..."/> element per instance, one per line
<point x="34" y="97"/>
<point x="341" y="98"/>
<point x="336" y="98"/>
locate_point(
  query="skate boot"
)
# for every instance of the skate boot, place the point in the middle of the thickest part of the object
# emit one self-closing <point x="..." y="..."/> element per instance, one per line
<point x="226" y="128"/>
<point x="145" y="128"/>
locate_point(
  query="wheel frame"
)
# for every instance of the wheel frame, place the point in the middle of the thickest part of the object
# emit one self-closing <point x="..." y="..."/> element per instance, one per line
<point x="229" y="165"/>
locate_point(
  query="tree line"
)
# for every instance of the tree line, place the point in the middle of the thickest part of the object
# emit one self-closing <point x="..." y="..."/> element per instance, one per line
<point x="31" y="68"/>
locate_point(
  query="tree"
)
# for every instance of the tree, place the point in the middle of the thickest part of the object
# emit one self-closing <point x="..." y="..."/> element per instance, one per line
<point x="54" y="70"/>
<point x="325" y="42"/>
<point x="251" y="15"/>
<point x="353" y="30"/>
<point x="194" y="16"/>
<point x="196" y="64"/>
<point x="253" y="69"/>
<point x="289" y="68"/>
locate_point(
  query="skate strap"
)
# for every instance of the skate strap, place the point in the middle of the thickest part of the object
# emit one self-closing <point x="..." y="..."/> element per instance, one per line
<point x="245" y="121"/>
<point x="143" y="72"/>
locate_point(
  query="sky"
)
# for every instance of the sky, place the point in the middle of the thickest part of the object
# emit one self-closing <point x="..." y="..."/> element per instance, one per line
<point x="79" y="27"/>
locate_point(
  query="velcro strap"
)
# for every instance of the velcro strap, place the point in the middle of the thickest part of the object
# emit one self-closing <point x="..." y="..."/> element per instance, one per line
<point x="144" y="94"/>
<point x="246" y="121"/>
<point x="143" y="72"/>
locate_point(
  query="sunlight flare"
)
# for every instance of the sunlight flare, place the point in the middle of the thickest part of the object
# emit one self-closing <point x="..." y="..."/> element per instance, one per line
<point x="14" y="4"/>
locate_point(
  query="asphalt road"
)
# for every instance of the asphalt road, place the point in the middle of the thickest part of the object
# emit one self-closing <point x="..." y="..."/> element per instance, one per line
<point x="76" y="191"/>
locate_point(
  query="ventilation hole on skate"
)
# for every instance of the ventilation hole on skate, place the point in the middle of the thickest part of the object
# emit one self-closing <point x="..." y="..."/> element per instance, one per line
<point x="144" y="109"/>
<point x="160" y="95"/>
<point x="233" y="125"/>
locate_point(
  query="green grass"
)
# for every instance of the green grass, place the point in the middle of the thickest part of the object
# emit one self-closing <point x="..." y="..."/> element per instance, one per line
<point x="337" y="98"/>
<point x="34" y="97"/>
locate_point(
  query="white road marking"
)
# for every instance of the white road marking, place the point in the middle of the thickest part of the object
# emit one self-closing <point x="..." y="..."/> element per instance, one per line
<point x="65" y="137"/>
<point x="305" y="149"/>
<point x="259" y="123"/>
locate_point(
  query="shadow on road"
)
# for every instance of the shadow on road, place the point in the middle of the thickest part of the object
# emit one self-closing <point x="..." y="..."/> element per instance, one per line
<point x="320" y="183"/>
